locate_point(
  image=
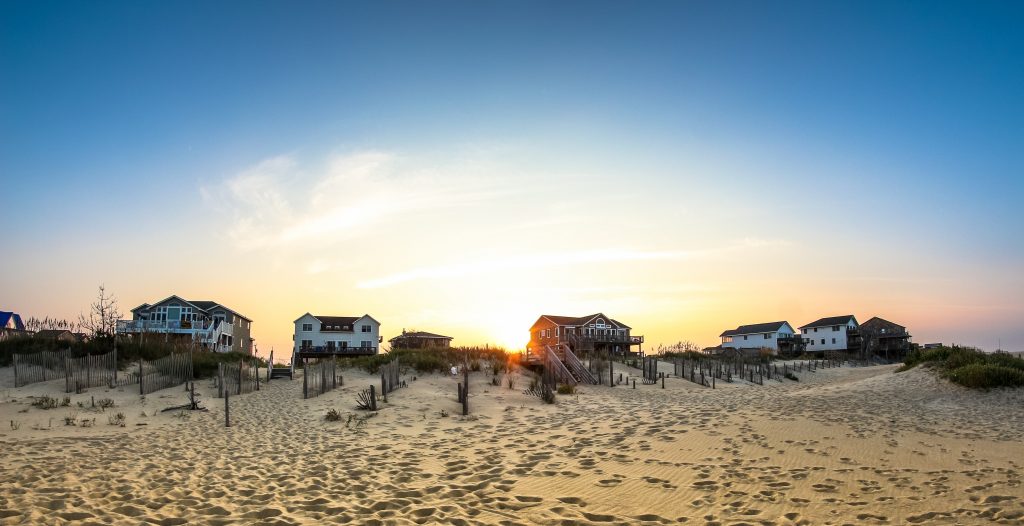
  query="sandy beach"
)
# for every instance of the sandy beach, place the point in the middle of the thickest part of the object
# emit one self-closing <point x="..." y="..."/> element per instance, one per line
<point x="842" y="446"/>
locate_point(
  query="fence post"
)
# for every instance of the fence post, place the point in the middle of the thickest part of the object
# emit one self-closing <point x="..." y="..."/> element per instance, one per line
<point x="240" y="366"/>
<point x="15" y="358"/>
<point x="227" y="409"/>
<point x="373" y="398"/>
<point x="305" y="380"/>
<point x="142" y="389"/>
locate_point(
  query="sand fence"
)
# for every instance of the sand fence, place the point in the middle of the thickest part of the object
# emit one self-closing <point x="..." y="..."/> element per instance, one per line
<point x="78" y="373"/>
<point x="320" y="376"/>
<point x="237" y="378"/>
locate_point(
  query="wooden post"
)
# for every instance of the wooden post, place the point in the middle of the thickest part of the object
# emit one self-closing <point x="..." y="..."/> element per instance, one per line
<point x="459" y="389"/>
<point x="663" y="380"/>
<point x="227" y="414"/>
<point x="305" y="380"/>
<point x="142" y="389"/>
<point x="15" y="359"/>
<point x="373" y="398"/>
<point x="465" y="401"/>
<point x="634" y="383"/>
<point x="384" y="387"/>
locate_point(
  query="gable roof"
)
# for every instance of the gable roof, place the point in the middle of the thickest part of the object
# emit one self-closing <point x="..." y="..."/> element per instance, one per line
<point x="876" y="320"/>
<point x="52" y="333"/>
<point x="203" y="305"/>
<point x="6" y="317"/>
<point x="772" y="326"/>
<point x="574" y="321"/>
<point x="421" y="334"/>
<point x="336" y="320"/>
<point x="832" y="320"/>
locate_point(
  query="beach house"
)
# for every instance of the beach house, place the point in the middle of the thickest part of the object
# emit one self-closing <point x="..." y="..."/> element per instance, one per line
<point x="420" y="340"/>
<point x="778" y="336"/>
<point x="11" y="325"/>
<point x="318" y="335"/>
<point x="835" y="333"/>
<point x="596" y="332"/>
<point x="885" y="339"/>
<point x="208" y="324"/>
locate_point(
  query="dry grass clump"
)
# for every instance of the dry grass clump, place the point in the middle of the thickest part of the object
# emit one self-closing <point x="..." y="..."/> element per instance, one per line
<point x="970" y="367"/>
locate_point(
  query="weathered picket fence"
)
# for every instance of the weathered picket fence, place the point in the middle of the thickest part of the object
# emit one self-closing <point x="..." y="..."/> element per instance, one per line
<point x="91" y="370"/>
<point x="237" y="378"/>
<point x="39" y="367"/>
<point x="171" y="370"/>
<point x="319" y="376"/>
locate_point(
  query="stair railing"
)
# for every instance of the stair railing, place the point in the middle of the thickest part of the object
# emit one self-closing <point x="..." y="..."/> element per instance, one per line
<point x="575" y="365"/>
<point x="562" y="374"/>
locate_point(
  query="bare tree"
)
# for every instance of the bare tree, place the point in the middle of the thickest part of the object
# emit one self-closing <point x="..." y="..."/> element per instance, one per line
<point x="103" y="316"/>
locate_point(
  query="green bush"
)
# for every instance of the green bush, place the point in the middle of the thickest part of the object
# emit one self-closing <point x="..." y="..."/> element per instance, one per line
<point x="566" y="389"/>
<point x="970" y="367"/>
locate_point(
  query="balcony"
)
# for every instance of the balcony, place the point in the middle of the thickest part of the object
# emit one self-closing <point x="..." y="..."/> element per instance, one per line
<point x="206" y="330"/>
<point x="330" y="350"/>
<point x="606" y="338"/>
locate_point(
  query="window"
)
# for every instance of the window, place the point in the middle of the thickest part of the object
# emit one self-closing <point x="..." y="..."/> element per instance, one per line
<point x="330" y="346"/>
<point x="365" y="328"/>
<point x="307" y="344"/>
<point x="744" y="337"/>
<point x="767" y="336"/>
<point x="833" y="340"/>
<point x="815" y="329"/>
<point x="835" y="328"/>
<point x="823" y="341"/>
<point x="307" y="327"/>
<point x="343" y="345"/>
<point x="365" y="344"/>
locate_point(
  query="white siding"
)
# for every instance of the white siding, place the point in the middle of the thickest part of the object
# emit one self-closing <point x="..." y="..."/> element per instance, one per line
<point x="317" y="338"/>
<point x="758" y="340"/>
<point x="827" y="338"/>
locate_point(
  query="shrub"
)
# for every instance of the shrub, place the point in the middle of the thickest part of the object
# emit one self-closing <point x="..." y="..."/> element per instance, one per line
<point x="510" y="381"/>
<point x="116" y="420"/>
<point x="46" y="402"/>
<point x="495" y="368"/>
<point x="970" y="367"/>
<point x="474" y="365"/>
<point x="332" y="415"/>
<point x="104" y="403"/>
<point x="566" y="389"/>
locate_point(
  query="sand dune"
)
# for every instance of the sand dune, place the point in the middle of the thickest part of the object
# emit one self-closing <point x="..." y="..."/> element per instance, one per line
<point x="843" y="446"/>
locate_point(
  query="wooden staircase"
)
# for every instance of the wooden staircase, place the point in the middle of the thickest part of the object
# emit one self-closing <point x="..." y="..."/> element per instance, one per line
<point x="281" y="372"/>
<point x="576" y="367"/>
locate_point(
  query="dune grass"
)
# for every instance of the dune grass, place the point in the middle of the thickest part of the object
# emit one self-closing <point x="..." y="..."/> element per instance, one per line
<point x="969" y="367"/>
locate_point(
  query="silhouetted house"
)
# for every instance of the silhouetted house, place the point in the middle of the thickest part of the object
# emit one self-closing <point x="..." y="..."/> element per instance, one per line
<point x="778" y="336"/>
<point x="835" y="333"/>
<point x="420" y="340"/>
<point x="209" y="324"/>
<point x="885" y="338"/>
<point x="318" y="335"/>
<point x="593" y="333"/>
<point x="11" y="326"/>
<point x="63" y="335"/>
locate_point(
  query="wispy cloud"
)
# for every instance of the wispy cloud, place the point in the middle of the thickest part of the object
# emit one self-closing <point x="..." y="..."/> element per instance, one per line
<point x="531" y="261"/>
<point x="277" y="204"/>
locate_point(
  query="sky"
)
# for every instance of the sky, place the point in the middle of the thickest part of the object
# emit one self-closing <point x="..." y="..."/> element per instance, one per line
<point x="464" y="167"/>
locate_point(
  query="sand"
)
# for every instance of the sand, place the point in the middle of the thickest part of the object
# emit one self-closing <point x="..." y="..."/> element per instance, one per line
<point x="842" y="446"/>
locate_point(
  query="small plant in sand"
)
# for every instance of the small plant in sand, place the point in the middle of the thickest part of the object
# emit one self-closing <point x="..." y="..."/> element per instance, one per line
<point x="474" y="365"/>
<point x="87" y="422"/>
<point x="566" y="389"/>
<point x="495" y="381"/>
<point x="510" y="381"/>
<point x="71" y="419"/>
<point x="15" y="425"/>
<point x="332" y="415"/>
<point x="105" y="403"/>
<point x="444" y="414"/>
<point x="495" y="368"/>
<point x="117" y="420"/>
<point x="46" y="402"/>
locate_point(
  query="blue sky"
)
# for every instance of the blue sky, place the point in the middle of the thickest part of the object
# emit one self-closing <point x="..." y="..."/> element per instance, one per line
<point x="719" y="115"/>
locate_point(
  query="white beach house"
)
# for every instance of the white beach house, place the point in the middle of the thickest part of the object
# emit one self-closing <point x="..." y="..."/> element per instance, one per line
<point x="317" y="335"/>
<point x="771" y="335"/>
<point x="835" y="333"/>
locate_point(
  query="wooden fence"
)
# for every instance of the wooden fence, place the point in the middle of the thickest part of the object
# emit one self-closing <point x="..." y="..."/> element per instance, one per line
<point x="39" y="367"/>
<point x="389" y="378"/>
<point x="237" y="378"/>
<point x="171" y="370"/>
<point x="319" y="376"/>
<point x="91" y="370"/>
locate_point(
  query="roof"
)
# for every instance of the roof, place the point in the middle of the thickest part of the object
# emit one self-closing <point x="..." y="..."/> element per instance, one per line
<point x="876" y="319"/>
<point x="581" y="320"/>
<point x="421" y="334"/>
<point x="52" y="333"/>
<point x="832" y="320"/>
<point x="336" y="320"/>
<point x="6" y="317"/>
<point x="203" y="305"/>
<point x="772" y="326"/>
